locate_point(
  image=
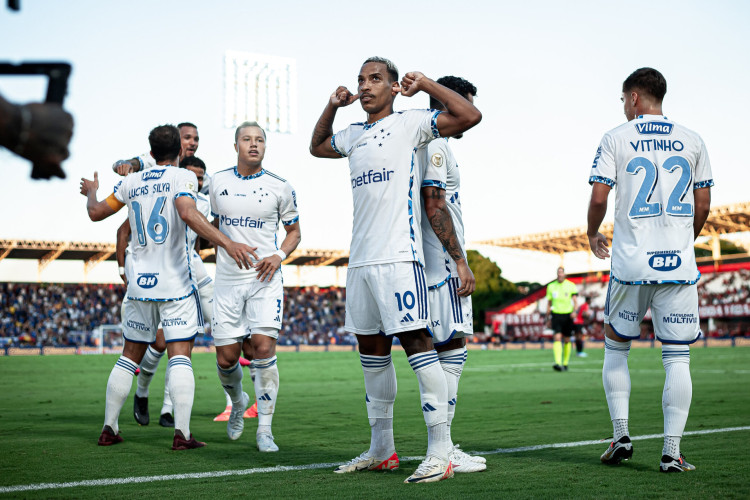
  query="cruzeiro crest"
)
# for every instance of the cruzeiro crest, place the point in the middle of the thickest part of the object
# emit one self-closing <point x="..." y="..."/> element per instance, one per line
<point x="437" y="160"/>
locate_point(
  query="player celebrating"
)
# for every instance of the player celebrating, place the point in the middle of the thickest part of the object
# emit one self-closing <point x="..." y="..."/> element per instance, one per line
<point x="663" y="178"/>
<point x="561" y="303"/>
<point x="161" y="201"/>
<point x="386" y="288"/>
<point x="249" y="202"/>
<point x="450" y="282"/>
<point x="189" y="145"/>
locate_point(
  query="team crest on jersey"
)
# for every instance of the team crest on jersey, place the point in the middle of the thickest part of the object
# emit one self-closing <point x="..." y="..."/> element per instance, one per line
<point x="437" y="160"/>
<point x="190" y="186"/>
<point x="654" y="128"/>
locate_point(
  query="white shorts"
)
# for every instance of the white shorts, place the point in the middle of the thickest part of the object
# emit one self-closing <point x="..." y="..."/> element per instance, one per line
<point x="389" y="298"/>
<point x="198" y="270"/>
<point x="206" y="294"/>
<point x="181" y="320"/>
<point x="674" y="311"/>
<point x="243" y="307"/>
<point x="450" y="315"/>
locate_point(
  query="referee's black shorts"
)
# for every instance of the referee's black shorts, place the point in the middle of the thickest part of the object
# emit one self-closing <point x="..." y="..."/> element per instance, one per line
<point x="562" y="323"/>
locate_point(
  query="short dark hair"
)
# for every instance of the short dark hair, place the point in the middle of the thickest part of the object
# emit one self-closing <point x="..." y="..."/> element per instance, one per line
<point x="187" y="124"/>
<point x="648" y="81"/>
<point x="165" y="142"/>
<point x="245" y="125"/>
<point x="389" y="66"/>
<point x="193" y="161"/>
<point x="456" y="84"/>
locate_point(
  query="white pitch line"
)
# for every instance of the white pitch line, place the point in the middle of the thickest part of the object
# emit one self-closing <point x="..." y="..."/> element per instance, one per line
<point x="293" y="468"/>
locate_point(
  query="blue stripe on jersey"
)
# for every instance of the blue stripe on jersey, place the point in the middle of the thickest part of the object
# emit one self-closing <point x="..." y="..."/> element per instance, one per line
<point x="657" y="282"/>
<point x="248" y="177"/>
<point x="191" y="195"/>
<point x="289" y="223"/>
<point x="433" y="125"/>
<point x="275" y="176"/>
<point x="433" y="183"/>
<point x="604" y="180"/>
<point x="433" y="287"/>
<point x="420" y="283"/>
<point x="333" y="145"/>
<point x="703" y="184"/>
<point x="606" y="302"/>
<point x="198" y="307"/>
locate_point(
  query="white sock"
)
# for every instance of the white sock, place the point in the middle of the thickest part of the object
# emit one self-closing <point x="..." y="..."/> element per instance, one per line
<point x="380" y="394"/>
<point x="452" y="362"/>
<point x="149" y="364"/>
<point x="229" y="399"/>
<point x="118" y="388"/>
<point x="678" y="392"/>
<point x="266" y="391"/>
<point x="166" y="406"/>
<point x="616" y="380"/>
<point x="231" y="380"/>
<point x="182" y="387"/>
<point x="433" y="391"/>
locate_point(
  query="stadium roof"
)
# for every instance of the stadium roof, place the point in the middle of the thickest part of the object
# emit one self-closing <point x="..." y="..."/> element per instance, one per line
<point x="721" y="220"/>
<point x="94" y="253"/>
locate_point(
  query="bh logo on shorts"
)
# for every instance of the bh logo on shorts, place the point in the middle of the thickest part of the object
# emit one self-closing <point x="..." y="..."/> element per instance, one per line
<point x="147" y="281"/>
<point x="665" y="262"/>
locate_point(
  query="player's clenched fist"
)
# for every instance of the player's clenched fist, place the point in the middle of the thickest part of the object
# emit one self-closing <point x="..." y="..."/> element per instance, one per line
<point x="89" y="185"/>
<point x="411" y="83"/>
<point x="342" y="97"/>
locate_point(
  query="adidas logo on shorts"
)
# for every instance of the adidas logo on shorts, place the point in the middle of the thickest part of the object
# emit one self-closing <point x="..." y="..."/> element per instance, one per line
<point x="407" y="318"/>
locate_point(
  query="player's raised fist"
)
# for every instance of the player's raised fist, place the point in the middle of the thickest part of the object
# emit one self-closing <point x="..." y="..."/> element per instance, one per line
<point x="411" y="83"/>
<point x="342" y="97"/>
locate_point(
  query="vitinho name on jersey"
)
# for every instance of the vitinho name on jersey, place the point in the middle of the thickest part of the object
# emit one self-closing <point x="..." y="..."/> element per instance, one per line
<point x="657" y="145"/>
<point x="162" y="187"/>
<point x="241" y="221"/>
<point x="654" y="128"/>
<point x="371" y="177"/>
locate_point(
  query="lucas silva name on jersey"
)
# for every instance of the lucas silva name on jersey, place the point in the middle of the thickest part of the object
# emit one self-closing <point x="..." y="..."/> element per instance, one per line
<point x="162" y="187"/>
<point x="371" y="177"/>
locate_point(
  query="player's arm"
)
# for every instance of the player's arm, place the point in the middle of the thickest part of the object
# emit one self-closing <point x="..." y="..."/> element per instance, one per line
<point x="125" y="167"/>
<point x="702" y="199"/>
<point x="320" y="144"/>
<point x="460" y="114"/>
<point x="442" y="223"/>
<point x="192" y="217"/>
<point x="123" y="234"/>
<point x="268" y="266"/>
<point x="98" y="210"/>
<point x="597" y="211"/>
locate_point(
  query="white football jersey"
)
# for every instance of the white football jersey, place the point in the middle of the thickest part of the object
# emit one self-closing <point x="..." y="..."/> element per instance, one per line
<point x="147" y="161"/>
<point x="386" y="179"/>
<point x="654" y="164"/>
<point x="249" y="210"/>
<point x="203" y="205"/>
<point x="441" y="170"/>
<point x="159" y="252"/>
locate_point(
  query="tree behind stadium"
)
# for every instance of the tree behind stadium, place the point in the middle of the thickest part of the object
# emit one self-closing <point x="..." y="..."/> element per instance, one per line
<point x="492" y="289"/>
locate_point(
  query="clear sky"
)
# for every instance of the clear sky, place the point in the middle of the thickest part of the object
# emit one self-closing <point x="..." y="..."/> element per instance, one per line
<point x="548" y="75"/>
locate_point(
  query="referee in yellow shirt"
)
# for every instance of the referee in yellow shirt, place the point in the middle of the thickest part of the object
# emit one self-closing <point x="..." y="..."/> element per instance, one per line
<point x="560" y="310"/>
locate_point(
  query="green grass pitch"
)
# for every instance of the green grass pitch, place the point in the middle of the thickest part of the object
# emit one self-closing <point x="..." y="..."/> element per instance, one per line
<point x="52" y="408"/>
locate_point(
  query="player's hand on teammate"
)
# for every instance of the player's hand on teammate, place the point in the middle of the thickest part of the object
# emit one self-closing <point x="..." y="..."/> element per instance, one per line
<point x="466" y="278"/>
<point x="267" y="267"/>
<point x="122" y="167"/>
<point x="411" y="83"/>
<point x="342" y="97"/>
<point x="598" y="244"/>
<point x="240" y="253"/>
<point x="88" y="186"/>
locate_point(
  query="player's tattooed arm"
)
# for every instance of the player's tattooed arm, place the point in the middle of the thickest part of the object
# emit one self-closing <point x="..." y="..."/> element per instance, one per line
<point x="442" y="224"/>
<point x="123" y="233"/>
<point x="320" y="144"/>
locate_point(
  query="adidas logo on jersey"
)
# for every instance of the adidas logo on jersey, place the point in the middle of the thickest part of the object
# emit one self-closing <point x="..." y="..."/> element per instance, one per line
<point x="224" y="193"/>
<point x="407" y="318"/>
<point x="277" y="318"/>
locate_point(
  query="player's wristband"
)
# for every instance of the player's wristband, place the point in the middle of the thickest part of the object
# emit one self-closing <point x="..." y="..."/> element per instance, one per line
<point x="121" y="270"/>
<point x="281" y="254"/>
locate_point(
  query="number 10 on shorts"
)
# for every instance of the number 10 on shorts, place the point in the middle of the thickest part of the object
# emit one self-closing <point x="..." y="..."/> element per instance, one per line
<point x="407" y="302"/>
